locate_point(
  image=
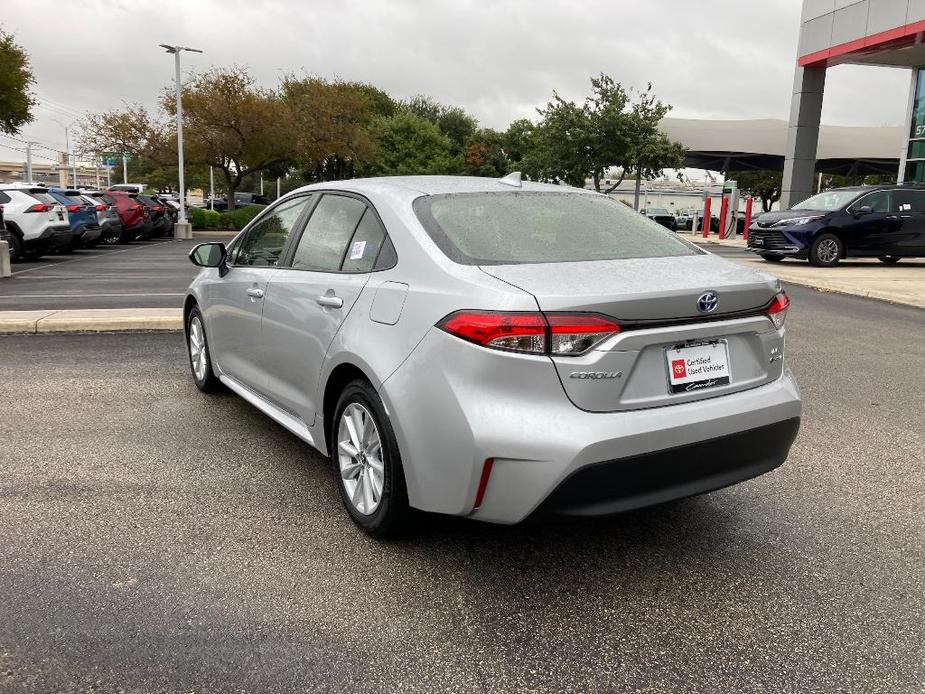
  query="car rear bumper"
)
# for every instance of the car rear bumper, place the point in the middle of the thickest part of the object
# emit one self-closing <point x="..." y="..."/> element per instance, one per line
<point x="627" y="483"/>
<point x="87" y="234"/>
<point x="452" y="409"/>
<point x="52" y="238"/>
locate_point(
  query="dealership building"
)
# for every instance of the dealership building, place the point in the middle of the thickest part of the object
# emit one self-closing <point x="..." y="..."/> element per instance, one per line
<point x="861" y="32"/>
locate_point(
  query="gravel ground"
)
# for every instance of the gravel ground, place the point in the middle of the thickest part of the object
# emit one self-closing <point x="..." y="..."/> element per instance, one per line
<point x="157" y="539"/>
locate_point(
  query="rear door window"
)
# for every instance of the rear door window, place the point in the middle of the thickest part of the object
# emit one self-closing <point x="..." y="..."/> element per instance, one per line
<point x="908" y="201"/>
<point x="324" y="243"/>
<point x="365" y="244"/>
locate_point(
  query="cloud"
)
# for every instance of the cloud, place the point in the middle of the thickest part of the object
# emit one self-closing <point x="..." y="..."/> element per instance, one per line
<point x="499" y="60"/>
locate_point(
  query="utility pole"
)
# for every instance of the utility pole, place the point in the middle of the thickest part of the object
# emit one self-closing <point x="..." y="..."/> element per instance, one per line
<point x="96" y="164"/>
<point x="124" y="169"/>
<point x="29" y="162"/>
<point x="211" y="189"/>
<point x="182" y="228"/>
<point x="277" y="187"/>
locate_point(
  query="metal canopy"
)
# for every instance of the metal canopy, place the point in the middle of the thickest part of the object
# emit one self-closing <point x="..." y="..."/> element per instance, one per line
<point x="754" y="145"/>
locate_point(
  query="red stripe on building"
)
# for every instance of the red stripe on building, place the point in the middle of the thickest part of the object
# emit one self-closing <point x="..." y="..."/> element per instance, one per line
<point x="900" y="36"/>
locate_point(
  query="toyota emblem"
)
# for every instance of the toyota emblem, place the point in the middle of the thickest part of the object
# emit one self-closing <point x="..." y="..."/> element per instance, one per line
<point x="707" y="302"/>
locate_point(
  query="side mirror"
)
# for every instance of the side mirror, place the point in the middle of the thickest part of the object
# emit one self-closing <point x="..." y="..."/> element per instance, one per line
<point x="209" y="255"/>
<point x="864" y="209"/>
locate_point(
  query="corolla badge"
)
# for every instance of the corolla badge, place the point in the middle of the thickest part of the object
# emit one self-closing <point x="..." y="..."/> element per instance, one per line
<point x="707" y="302"/>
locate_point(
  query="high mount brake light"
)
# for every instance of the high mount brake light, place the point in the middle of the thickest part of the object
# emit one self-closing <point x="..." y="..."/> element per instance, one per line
<point x="557" y="334"/>
<point x="777" y="311"/>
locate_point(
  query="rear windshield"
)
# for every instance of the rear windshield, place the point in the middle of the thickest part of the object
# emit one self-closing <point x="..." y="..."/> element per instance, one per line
<point x="542" y="227"/>
<point x="45" y="198"/>
<point x="74" y="199"/>
<point x="830" y="200"/>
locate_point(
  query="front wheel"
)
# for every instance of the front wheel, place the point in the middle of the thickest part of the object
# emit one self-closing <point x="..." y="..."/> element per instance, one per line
<point x="367" y="465"/>
<point x="199" y="358"/>
<point x="889" y="259"/>
<point x="826" y="251"/>
<point x="772" y="258"/>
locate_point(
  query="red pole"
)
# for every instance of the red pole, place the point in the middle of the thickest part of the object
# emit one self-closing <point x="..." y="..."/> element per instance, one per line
<point x="706" y="218"/>
<point x="724" y="208"/>
<point x="748" y="215"/>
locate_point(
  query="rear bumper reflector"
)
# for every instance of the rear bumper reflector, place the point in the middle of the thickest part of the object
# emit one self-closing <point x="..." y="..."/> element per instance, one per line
<point x="483" y="482"/>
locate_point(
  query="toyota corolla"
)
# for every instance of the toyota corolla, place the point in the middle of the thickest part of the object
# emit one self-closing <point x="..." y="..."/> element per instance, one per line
<point x="495" y="348"/>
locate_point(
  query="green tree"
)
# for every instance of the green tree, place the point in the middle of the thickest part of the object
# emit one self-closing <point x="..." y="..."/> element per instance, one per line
<point x="764" y="185"/>
<point x="408" y="144"/>
<point x="332" y="138"/>
<point x="16" y="78"/>
<point x="234" y="125"/>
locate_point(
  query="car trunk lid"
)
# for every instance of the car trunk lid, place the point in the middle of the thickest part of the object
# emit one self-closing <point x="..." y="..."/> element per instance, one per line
<point x="656" y="301"/>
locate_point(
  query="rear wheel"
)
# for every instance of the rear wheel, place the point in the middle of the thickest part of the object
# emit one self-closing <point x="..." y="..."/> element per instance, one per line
<point x="826" y="251"/>
<point x="772" y="258"/>
<point x="198" y="349"/>
<point x="889" y="259"/>
<point x="367" y="465"/>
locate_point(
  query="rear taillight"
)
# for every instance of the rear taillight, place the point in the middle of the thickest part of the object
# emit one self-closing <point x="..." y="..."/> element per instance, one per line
<point x="73" y="208"/>
<point x="39" y="207"/>
<point x="557" y="334"/>
<point x="100" y="208"/>
<point x="777" y="311"/>
<point x="133" y="208"/>
<point x="157" y="208"/>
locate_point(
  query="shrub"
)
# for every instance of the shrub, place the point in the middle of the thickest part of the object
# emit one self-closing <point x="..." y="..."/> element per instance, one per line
<point x="204" y="219"/>
<point x="243" y="215"/>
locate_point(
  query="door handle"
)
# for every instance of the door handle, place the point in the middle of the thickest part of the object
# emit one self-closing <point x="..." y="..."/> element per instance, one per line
<point x="330" y="301"/>
<point x="255" y="293"/>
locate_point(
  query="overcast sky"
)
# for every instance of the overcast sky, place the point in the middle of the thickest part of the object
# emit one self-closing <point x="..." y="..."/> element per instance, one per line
<point x="498" y="59"/>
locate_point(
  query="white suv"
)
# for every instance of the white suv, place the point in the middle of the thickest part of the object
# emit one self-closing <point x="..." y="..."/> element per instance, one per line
<point x="36" y="222"/>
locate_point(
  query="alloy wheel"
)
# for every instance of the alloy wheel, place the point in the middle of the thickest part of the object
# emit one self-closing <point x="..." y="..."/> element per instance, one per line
<point x="359" y="455"/>
<point x="197" y="348"/>
<point x="827" y="250"/>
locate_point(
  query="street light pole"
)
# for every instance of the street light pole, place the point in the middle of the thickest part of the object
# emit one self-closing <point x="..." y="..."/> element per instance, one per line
<point x="176" y="54"/>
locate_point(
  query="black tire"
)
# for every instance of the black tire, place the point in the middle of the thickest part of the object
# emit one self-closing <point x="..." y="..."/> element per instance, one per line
<point x="772" y="258"/>
<point x="16" y="253"/>
<point x="208" y="382"/>
<point x="391" y="516"/>
<point x="826" y="251"/>
<point x="889" y="259"/>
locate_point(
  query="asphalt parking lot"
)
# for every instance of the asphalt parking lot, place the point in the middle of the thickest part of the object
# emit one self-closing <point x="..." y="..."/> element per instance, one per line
<point x="143" y="274"/>
<point x="161" y="540"/>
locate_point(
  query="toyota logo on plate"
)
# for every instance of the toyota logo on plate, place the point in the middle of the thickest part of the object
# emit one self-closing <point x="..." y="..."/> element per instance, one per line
<point x="707" y="302"/>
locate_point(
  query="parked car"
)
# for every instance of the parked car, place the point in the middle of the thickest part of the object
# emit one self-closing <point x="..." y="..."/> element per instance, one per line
<point x="240" y="200"/>
<point x="494" y="349"/>
<point x="160" y="221"/>
<point x="662" y="216"/>
<point x="134" y="215"/>
<point x="171" y="210"/>
<point x="37" y="223"/>
<point x="82" y="217"/>
<point x="107" y="216"/>
<point x="885" y="222"/>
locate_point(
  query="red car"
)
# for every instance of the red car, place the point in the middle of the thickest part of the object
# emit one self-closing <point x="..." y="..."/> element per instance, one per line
<point x="133" y="213"/>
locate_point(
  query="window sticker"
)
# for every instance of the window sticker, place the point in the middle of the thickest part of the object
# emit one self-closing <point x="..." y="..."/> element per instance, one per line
<point x="357" y="250"/>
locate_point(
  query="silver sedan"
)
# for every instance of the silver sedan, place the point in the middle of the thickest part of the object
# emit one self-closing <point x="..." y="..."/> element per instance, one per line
<point x="495" y="348"/>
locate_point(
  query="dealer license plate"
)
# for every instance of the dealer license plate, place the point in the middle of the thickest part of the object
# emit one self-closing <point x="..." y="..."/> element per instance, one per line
<point x="696" y="367"/>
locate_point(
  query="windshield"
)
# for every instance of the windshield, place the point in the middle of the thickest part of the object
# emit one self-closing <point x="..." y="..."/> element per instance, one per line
<point x="660" y="211"/>
<point x="539" y="227"/>
<point x="828" y="201"/>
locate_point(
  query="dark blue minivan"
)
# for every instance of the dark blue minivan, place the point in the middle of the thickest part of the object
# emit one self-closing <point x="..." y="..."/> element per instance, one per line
<point x="885" y="222"/>
<point x="81" y="215"/>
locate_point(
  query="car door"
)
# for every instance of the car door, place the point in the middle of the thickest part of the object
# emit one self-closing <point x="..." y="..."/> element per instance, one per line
<point x="909" y="205"/>
<point x="309" y="299"/>
<point x="234" y="302"/>
<point x="869" y="233"/>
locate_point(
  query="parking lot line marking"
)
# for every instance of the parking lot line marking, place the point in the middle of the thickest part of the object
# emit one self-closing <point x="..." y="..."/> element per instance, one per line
<point x="88" y="257"/>
<point x="81" y="296"/>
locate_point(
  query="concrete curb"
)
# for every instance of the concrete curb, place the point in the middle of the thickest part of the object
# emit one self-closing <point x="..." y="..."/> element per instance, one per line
<point x="91" y="320"/>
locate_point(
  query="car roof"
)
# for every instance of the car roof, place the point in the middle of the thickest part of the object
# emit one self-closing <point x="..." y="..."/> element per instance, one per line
<point x="416" y="186"/>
